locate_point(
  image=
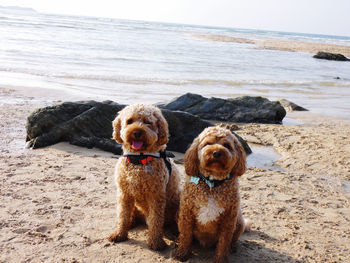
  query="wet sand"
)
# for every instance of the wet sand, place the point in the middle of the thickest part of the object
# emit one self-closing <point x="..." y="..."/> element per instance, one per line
<point x="310" y="47"/>
<point x="57" y="204"/>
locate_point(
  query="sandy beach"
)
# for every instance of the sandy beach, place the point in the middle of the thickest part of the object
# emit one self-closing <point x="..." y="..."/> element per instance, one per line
<point x="283" y="45"/>
<point x="57" y="204"/>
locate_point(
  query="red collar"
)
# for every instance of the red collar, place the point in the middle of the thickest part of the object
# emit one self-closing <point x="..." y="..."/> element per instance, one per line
<point x="138" y="159"/>
<point x="144" y="158"/>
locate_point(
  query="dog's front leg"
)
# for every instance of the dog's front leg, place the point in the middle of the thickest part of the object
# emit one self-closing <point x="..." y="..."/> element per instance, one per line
<point x="155" y="222"/>
<point x="125" y="207"/>
<point x="185" y="225"/>
<point x="227" y="228"/>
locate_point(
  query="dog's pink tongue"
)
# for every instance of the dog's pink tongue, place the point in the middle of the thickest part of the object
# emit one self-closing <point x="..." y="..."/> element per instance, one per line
<point x="137" y="144"/>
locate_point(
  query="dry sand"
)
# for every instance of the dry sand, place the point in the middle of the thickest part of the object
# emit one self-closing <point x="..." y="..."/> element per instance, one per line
<point x="57" y="204"/>
<point x="310" y="47"/>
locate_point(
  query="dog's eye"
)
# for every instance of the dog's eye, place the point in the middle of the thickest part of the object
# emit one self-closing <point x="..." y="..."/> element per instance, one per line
<point x="227" y="146"/>
<point x="129" y="121"/>
<point x="147" y="122"/>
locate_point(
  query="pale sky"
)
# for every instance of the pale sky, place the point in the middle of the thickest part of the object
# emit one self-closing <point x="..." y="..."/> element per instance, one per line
<point x="330" y="17"/>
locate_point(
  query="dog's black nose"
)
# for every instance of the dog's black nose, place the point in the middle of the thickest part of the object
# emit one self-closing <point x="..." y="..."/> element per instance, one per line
<point x="137" y="133"/>
<point x="217" y="154"/>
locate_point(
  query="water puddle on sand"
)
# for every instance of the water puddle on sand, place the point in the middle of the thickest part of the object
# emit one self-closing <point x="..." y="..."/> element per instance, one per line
<point x="263" y="157"/>
<point x="290" y="121"/>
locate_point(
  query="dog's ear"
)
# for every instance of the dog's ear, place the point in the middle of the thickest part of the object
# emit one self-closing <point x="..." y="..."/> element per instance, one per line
<point x="116" y="129"/>
<point x="240" y="166"/>
<point x="191" y="159"/>
<point x="163" y="129"/>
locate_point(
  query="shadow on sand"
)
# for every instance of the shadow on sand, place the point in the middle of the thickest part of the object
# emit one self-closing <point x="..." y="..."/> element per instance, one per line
<point x="247" y="249"/>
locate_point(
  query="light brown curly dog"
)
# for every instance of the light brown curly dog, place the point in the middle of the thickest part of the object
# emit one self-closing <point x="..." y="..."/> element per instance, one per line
<point x="144" y="185"/>
<point x="210" y="202"/>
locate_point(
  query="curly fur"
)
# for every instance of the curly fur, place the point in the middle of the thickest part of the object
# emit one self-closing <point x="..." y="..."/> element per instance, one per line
<point x="212" y="215"/>
<point x="144" y="190"/>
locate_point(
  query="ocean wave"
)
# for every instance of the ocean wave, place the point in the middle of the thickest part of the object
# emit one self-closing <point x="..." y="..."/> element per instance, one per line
<point x="145" y="80"/>
<point x="47" y="26"/>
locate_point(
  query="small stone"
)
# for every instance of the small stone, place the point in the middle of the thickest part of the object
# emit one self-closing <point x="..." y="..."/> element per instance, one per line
<point x="330" y="56"/>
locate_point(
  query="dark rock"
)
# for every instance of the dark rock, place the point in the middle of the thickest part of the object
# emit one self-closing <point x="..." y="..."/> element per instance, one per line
<point x="183" y="128"/>
<point x="330" y="56"/>
<point x="243" y="109"/>
<point x="184" y="102"/>
<point x="83" y="123"/>
<point x="290" y="106"/>
<point x="89" y="124"/>
<point x="232" y="128"/>
<point x="243" y="143"/>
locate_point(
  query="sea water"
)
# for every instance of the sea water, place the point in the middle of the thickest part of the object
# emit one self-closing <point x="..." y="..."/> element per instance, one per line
<point x="137" y="61"/>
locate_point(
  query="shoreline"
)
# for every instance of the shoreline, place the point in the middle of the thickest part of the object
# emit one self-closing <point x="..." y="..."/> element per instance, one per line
<point x="58" y="203"/>
<point x="49" y="96"/>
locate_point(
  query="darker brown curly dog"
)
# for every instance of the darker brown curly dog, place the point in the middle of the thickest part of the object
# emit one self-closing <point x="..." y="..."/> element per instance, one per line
<point x="144" y="184"/>
<point x="210" y="202"/>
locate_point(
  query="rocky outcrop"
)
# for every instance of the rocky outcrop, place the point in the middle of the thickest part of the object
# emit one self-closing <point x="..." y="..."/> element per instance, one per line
<point x="290" y="106"/>
<point x="183" y="128"/>
<point x="243" y="109"/>
<point x="83" y="123"/>
<point x="89" y="124"/>
<point x="331" y="56"/>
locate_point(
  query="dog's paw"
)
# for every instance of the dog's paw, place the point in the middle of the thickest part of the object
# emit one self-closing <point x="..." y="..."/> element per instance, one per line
<point x="181" y="255"/>
<point x="156" y="244"/>
<point x="117" y="237"/>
